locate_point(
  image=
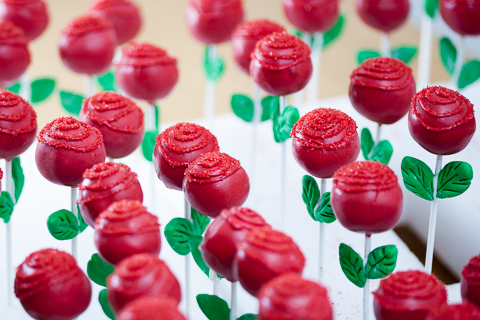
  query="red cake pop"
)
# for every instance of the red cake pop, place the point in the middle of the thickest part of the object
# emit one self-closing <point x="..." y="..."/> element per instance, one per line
<point x="246" y="36"/>
<point x="215" y="181"/>
<point x="1" y="177"/>
<point x="470" y="284"/>
<point x="146" y="72"/>
<point x="50" y="285"/>
<point x="383" y="15"/>
<point x="312" y="15"/>
<point x="212" y="21"/>
<point x="18" y="125"/>
<point x="324" y="140"/>
<point x="441" y="120"/>
<point x="30" y="15"/>
<point x="408" y="295"/>
<point x="176" y="147"/>
<point x="462" y="16"/>
<point x="104" y="184"/>
<point x="66" y="148"/>
<point x="366" y="197"/>
<point x="124" y="15"/>
<point x="14" y="54"/>
<point x="119" y="120"/>
<point x="465" y="311"/>
<point x="219" y="246"/>
<point x="281" y="64"/>
<point x="138" y="276"/>
<point x="151" y="308"/>
<point x="381" y="89"/>
<point x="290" y="297"/>
<point x="263" y="255"/>
<point x="87" y="45"/>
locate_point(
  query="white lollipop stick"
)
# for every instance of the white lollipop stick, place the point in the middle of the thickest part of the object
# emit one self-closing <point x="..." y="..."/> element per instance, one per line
<point x="425" y="52"/>
<point x="73" y="207"/>
<point x="283" y="173"/>
<point x="385" y="44"/>
<point x="366" y="288"/>
<point x="313" y="85"/>
<point x="459" y="62"/>
<point x="233" y="304"/>
<point x="89" y="87"/>
<point x="257" y="118"/>
<point x="25" y="87"/>
<point x="151" y="125"/>
<point x="216" y="282"/>
<point x="323" y="188"/>
<point x="378" y="136"/>
<point x="210" y="91"/>
<point x="10" y="186"/>
<point x="187" y="265"/>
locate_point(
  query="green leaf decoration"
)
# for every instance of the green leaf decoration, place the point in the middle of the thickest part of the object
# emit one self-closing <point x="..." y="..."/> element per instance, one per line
<point x="71" y="102"/>
<point x="382" y="152"/>
<point x="148" y="144"/>
<point x="352" y="265"/>
<point x="243" y="107"/>
<point x="83" y="224"/>
<point x="98" y="270"/>
<point x="213" y="68"/>
<point x="366" y="143"/>
<point x="367" y="54"/>
<point x="324" y="212"/>
<point x="200" y="222"/>
<point x="404" y="53"/>
<point x="454" y="179"/>
<point x="6" y="206"/>
<point x="106" y="81"/>
<point x="418" y="178"/>
<point x="63" y="225"/>
<point x="334" y="32"/>
<point x="213" y="307"/>
<point x="448" y="53"/>
<point x="18" y="177"/>
<point x="283" y="124"/>
<point x="41" y="89"/>
<point x="469" y="74"/>
<point x="431" y="7"/>
<point x="248" y="316"/>
<point x="310" y="194"/>
<point x="197" y="255"/>
<point x="102" y="298"/>
<point x="15" y="88"/>
<point x="157" y="118"/>
<point x="381" y="262"/>
<point x="178" y="233"/>
<point x="267" y="104"/>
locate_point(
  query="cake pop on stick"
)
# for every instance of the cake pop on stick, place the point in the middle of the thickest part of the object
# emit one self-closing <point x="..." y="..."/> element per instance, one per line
<point x="470" y="284"/>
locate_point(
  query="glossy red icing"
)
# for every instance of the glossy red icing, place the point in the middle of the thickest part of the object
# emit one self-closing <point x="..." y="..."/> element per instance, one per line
<point x="263" y="255"/>
<point x="324" y="140"/>
<point x="215" y="181"/>
<point x="14" y="54"/>
<point x="30" y="15"/>
<point x="104" y="184"/>
<point x="151" y="308"/>
<point x="246" y="36"/>
<point x="470" y="284"/>
<point x="290" y="297"/>
<point x="18" y="125"/>
<point x="465" y="311"/>
<point x="66" y="148"/>
<point x="408" y="295"/>
<point x="381" y="89"/>
<point x="146" y="72"/>
<point x="141" y="275"/>
<point x="50" y="285"/>
<point x="366" y="197"/>
<point x="383" y="15"/>
<point x="462" y="16"/>
<point x="441" y="120"/>
<point x="87" y="45"/>
<point x="124" y="15"/>
<point x="222" y="236"/>
<point x="119" y="119"/>
<point x="312" y="15"/>
<point x="281" y="64"/>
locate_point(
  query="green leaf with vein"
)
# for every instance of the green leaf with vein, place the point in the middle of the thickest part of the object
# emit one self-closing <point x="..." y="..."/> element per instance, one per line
<point x="18" y="177"/>
<point x="83" y="224"/>
<point x="404" y="53"/>
<point x="269" y="103"/>
<point x="352" y="265"/>
<point x="334" y="33"/>
<point x="448" y="54"/>
<point x="6" y="206"/>
<point x="106" y="81"/>
<point x="363" y="55"/>
<point x="283" y="123"/>
<point x="310" y="194"/>
<point x="71" y="102"/>
<point x="454" y="179"/>
<point x="382" y="152"/>
<point x="324" y="212"/>
<point x="469" y="74"/>
<point x="41" y="89"/>
<point x="102" y="298"/>
<point x="62" y="225"/>
<point x="194" y="242"/>
<point x="243" y="107"/>
<point x="98" y="270"/>
<point x="381" y="262"/>
<point x="418" y="178"/>
<point x="366" y="143"/>
<point x="148" y="144"/>
<point x="213" y="307"/>
<point x="213" y="68"/>
<point x="200" y="222"/>
<point x="178" y="233"/>
<point x="15" y="88"/>
<point x="431" y="7"/>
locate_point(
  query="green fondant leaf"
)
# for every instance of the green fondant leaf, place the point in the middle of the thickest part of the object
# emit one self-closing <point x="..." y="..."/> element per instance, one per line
<point x="102" y="298"/>
<point x="42" y="89"/>
<point x="243" y="107"/>
<point x="200" y="222"/>
<point x="352" y="265"/>
<point x="15" y="88"/>
<point x="283" y="124"/>
<point x="381" y="262"/>
<point x="248" y="316"/>
<point x="71" y="102"/>
<point x="178" y="233"/>
<point x="269" y="103"/>
<point x="367" y="54"/>
<point x="404" y="53"/>
<point x="106" y="81"/>
<point x="382" y="152"/>
<point x="6" y="206"/>
<point x="98" y="270"/>
<point x="324" y="212"/>
<point x="431" y="7"/>
<point x="148" y="144"/>
<point x="83" y="224"/>
<point x="366" y="143"/>
<point x="157" y="118"/>
<point x="454" y="179"/>
<point x="334" y="32"/>
<point x="418" y="178"/>
<point x="63" y="225"/>
<point x="213" y="307"/>
<point x="197" y="255"/>
<point x="469" y="74"/>
<point x="18" y="177"/>
<point x="310" y="194"/>
<point x="213" y="68"/>
<point x="448" y="53"/>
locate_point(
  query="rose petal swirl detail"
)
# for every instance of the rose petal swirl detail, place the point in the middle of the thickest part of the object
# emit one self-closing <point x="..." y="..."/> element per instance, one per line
<point x="365" y="176"/>
<point x="143" y="54"/>
<point x="10" y="34"/>
<point x="86" y="24"/>
<point x="211" y="167"/>
<point x="471" y="272"/>
<point x="16" y="115"/>
<point x="256" y="29"/>
<point x="240" y="218"/>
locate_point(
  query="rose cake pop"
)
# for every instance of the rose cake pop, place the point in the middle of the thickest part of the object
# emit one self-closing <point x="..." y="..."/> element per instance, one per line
<point x="50" y="285"/>
<point x="151" y="308"/>
<point x="383" y="15"/>
<point x="408" y="295"/>
<point x="461" y="16"/>
<point x="119" y="120"/>
<point x="464" y="311"/>
<point x="139" y="276"/>
<point x="381" y="89"/>
<point x="312" y="15"/>
<point x="14" y="54"/>
<point x="66" y="148"/>
<point x="263" y="255"/>
<point x="215" y="181"/>
<point x="470" y="284"/>
<point x="124" y="15"/>
<point x="30" y="15"/>
<point x="290" y="297"/>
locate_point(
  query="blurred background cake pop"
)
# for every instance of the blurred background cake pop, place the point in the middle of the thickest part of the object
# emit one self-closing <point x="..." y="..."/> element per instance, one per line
<point x="14" y="53"/>
<point x="30" y="15"/>
<point x="463" y="311"/>
<point x="312" y="15"/>
<point x="461" y="16"/>
<point x="470" y="284"/>
<point x="383" y="15"/>
<point x="151" y="308"/>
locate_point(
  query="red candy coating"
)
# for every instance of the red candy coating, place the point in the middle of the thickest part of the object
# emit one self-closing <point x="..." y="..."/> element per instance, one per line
<point x="18" y="125"/>
<point x="290" y="297"/>
<point x="366" y="197"/>
<point x="138" y="276"/>
<point x="383" y="15"/>
<point x="324" y="140"/>
<point x="312" y="15"/>
<point x="263" y="255"/>
<point x="441" y="120"/>
<point x="87" y="45"/>
<point x="50" y="285"/>
<point x="465" y="311"/>
<point x="215" y="181"/>
<point x="246" y="36"/>
<point x="125" y="229"/>
<point x="104" y="184"/>
<point x="381" y="89"/>
<point x="462" y="16"/>
<point x="281" y="64"/>
<point x="151" y="308"/>
<point x="176" y="147"/>
<point x="408" y="295"/>
<point x="213" y="21"/>
<point x="14" y="54"/>
<point x="66" y="148"/>
<point x="146" y="72"/>
<point x="30" y="15"/>
<point x="119" y="120"/>
<point x="124" y="15"/>
<point x="222" y="236"/>
<point x="470" y="285"/>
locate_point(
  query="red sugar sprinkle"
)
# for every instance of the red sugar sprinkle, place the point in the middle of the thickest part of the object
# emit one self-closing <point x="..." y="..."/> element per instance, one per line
<point x="211" y="167"/>
<point x="388" y="74"/>
<point x="364" y="176"/>
<point x="11" y="34"/>
<point x="86" y="24"/>
<point x="256" y="29"/>
<point x="144" y="54"/>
